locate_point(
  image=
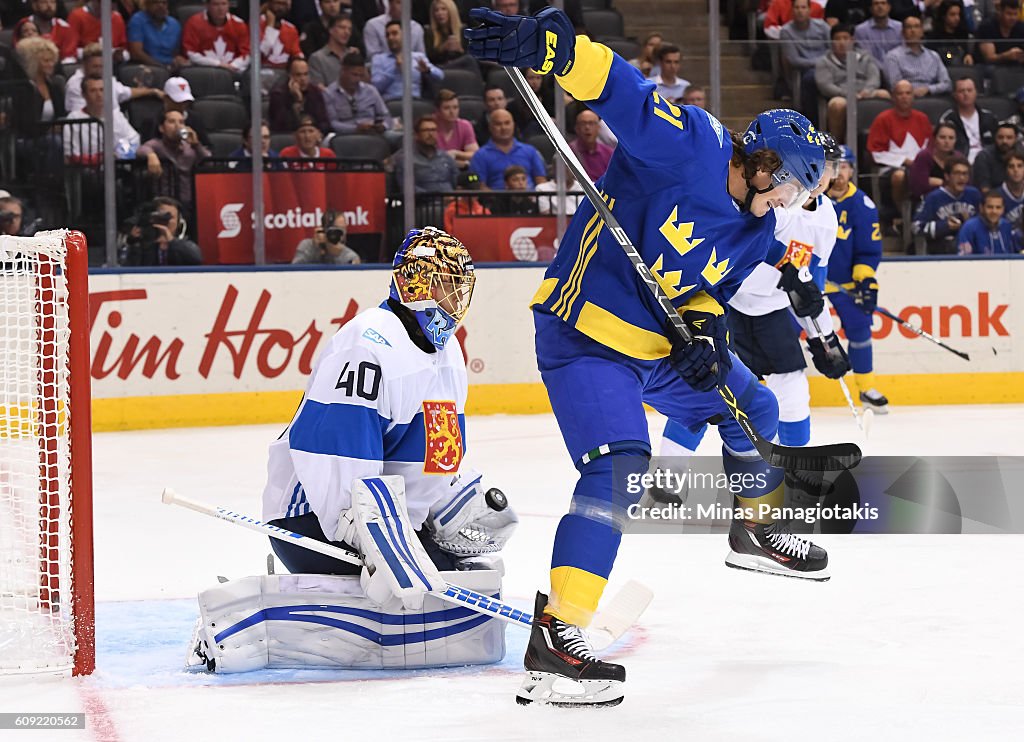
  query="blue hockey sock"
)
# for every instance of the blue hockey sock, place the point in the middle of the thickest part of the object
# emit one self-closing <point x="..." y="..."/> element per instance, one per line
<point x="796" y="433"/>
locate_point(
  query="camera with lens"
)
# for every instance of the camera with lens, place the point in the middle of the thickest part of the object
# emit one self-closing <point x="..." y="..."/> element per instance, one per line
<point x="334" y="235"/>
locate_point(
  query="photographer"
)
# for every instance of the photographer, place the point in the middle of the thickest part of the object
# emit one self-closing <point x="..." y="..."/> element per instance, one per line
<point x="11" y="213"/>
<point x="327" y="245"/>
<point x="157" y="237"/>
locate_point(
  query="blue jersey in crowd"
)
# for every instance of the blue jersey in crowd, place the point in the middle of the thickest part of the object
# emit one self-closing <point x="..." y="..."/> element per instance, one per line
<point x="858" y="240"/>
<point x="932" y="217"/>
<point x="976" y="237"/>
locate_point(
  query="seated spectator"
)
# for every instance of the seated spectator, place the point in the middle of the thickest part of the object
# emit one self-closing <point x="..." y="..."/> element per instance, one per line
<point x="179" y="145"/>
<point x="279" y="38"/>
<point x="12" y="213"/>
<point x="85" y="21"/>
<point x="543" y="87"/>
<point x="975" y="128"/>
<point x="592" y="154"/>
<point x="945" y="209"/>
<point x="92" y="66"/>
<point x="847" y="12"/>
<point x="990" y="164"/>
<point x="294" y="97"/>
<point x="949" y="37"/>
<point x="44" y="18"/>
<point x="375" y="31"/>
<point x="1005" y="26"/>
<point x="830" y="78"/>
<point x="216" y="38"/>
<point x="38" y="57"/>
<point x="83" y="143"/>
<point x="434" y="170"/>
<point x="647" y="61"/>
<point x="464" y="205"/>
<point x="243" y="155"/>
<point x="921" y="67"/>
<point x="325" y="62"/>
<point x="805" y="40"/>
<point x="670" y="85"/>
<point x="25" y="29"/>
<point x="454" y="135"/>
<point x="386" y="73"/>
<point x="158" y="238"/>
<point x="495" y="100"/>
<point x="567" y="205"/>
<point x="315" y="32"/>
<point x="154" y="37"/>
<point x="880" y="33"/>
<point x="928" y="171"/>
<point x="443" y="37"/>
<point x="1012" y="188"/>
<point x="780" y="12"/>
<point x="354" y="105"/>
<point x="988" y="233"/>
<point x="1017" y="119"/>
<point x="895" y="138"/>
<point x="694" y="96"/>
<point x="307" y="146"/>
<point x="502" y="150"/>
<point x="327" y="245"/>
<point x="516" y="203"/>
<point x="178" y="97"/>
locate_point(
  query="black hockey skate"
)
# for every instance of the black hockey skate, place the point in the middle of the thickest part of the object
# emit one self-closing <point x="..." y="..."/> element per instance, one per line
<point x="773" y="549"/>
<point x="873" y="399"/>
<point x="562" y="669"/>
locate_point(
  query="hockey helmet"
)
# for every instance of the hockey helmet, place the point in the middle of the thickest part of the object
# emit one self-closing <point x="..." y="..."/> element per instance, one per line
<point x="848" y="156"/>
<point x="797" y="143"/>
<point x="833" y="156"/>
<point x="433" y="276"/>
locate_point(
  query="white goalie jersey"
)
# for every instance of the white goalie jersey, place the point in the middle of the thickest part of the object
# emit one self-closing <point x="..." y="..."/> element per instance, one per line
<point x="809" y="237"/>
<point x="375" y="404"/>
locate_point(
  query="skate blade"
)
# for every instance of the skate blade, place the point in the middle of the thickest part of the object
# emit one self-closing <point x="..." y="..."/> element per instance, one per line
<point x="767" y="566"/>
<point x="549" y="689"/>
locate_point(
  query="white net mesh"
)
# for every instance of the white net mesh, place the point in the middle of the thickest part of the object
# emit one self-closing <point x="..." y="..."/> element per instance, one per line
<point x="36" y="615"/>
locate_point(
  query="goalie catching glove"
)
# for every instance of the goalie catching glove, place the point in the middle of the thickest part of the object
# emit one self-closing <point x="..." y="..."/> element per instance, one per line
<point x="546" y="42"/>
<point x="471" y="521"/>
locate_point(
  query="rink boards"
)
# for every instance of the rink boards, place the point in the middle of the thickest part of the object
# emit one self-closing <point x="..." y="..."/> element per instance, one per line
<point x="220" y="347"/>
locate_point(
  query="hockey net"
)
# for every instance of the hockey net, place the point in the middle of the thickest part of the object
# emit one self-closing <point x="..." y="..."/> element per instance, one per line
<point x="46" y="599"/>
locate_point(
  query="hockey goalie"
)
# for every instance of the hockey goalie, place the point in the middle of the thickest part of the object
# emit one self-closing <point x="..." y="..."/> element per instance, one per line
<point x="372" y="462"/>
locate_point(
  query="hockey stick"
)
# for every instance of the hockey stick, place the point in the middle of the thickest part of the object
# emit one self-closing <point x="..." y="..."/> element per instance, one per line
<point x="863" y="419"/>
<point x="838" y="287"/>
<point x="621" y="612"/>
<point x="834" y="457"/>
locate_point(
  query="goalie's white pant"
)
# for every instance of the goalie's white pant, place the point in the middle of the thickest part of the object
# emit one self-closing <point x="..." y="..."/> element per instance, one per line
<point x="325" y="621"/>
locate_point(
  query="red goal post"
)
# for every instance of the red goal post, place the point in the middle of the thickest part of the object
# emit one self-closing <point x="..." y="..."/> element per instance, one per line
<point x="47" y="620"/>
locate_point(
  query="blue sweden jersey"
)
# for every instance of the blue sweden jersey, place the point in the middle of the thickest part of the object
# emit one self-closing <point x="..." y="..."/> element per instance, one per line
<point x="666" y="184"/>
<point x="859" y="240"/>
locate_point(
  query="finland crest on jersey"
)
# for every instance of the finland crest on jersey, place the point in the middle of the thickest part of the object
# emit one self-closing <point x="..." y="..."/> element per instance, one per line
<point x="375" y="404"/>
<point x="808" y="237"/>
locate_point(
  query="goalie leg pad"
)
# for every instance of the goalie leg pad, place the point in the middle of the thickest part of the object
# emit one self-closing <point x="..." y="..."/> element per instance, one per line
<point x="326" y="621"/>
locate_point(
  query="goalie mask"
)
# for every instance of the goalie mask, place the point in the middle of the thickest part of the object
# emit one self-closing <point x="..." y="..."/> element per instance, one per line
<point x="433" y="277"/>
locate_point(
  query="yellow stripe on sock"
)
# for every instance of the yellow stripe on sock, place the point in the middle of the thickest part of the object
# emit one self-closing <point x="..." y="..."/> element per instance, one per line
<point x="864" y="381"/>
<point x="574" y="595"/>
<point x="774" y="499"/>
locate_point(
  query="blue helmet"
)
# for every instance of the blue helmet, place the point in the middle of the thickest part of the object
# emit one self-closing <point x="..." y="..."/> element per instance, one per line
<point x="795" y="140"/>
<point x="433" y="277"/>
<point x="848" y="156"/>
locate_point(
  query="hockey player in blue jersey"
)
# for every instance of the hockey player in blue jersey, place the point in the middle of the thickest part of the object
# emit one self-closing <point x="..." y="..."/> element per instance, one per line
<point x="696" y="201"/>
<point x="988" y="233"/>
<point x="852" y="266"/>
<point x="372" y="462"/>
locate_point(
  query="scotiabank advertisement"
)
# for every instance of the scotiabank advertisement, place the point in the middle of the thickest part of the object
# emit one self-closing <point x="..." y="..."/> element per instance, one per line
<point x="294" y="202"/>
<point x="507" y="239"/>
<point x="220" y="348"/>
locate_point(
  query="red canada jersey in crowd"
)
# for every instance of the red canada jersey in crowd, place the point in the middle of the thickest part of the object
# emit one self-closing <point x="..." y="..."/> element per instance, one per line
<point x="278" y="44"/>
<point x="87" y="26"/>
<point x="64" y="36"/>
<point x="292" y="151"/>
<point x="212" y="46"/>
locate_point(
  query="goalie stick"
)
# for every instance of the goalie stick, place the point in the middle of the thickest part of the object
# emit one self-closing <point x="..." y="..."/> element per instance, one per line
<point x="621" y="612"/>
<point x="832" y="457"/>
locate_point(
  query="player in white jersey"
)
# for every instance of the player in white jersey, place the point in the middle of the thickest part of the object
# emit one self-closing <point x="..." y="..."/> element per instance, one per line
<point x="371" y="462"/>
<point x="761" y="317"/>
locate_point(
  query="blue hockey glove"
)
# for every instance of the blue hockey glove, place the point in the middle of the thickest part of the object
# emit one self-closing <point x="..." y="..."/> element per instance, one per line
<point x="865" y="294"/>
<point x="804" y="294"/>
<point x="829" y="357"/>
<point x="546" y="42"/>
<point x="705" y="362"/>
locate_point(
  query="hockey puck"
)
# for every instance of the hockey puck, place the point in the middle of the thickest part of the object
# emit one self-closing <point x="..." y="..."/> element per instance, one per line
<point x="496" y="499"/>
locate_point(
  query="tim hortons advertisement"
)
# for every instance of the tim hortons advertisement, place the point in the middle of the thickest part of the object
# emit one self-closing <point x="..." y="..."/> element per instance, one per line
<point x="294" y="202"/>
<point x="243" y="337"/>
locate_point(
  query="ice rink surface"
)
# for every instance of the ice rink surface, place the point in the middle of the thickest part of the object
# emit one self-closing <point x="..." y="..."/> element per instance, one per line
<point x="914" y="638"/>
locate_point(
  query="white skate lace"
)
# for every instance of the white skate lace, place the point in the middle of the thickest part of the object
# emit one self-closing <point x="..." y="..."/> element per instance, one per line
<point x="576" y="643"/>
<point x="787" y="543"/>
